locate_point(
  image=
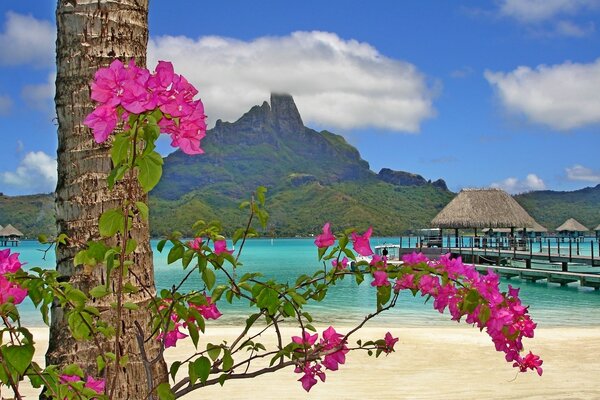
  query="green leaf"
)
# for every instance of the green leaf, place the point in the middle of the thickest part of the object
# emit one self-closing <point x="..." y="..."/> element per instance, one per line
<point x="143" y="209"/>
<point x="99" y="291"/>
<point x="130" y="306"/>
<point x="199" y="369"/>
<point x="213" y="351"/>
<point x="111" y="222"/>
<point x="19" y="358"/>
<point x="116" y="174"/>
<point x="161" y="245"/>
<point x="130" y="246"/>
<point x="208" y="276"/>
<point x="149" y="170"/>
<point x="227" y="360"/>
<point x="383" y="295"/>
<point x="164" y="391"/>
<point x="79" y="324"/>
<point x="120" y="148"/>
<point x="260" y="194"/>
<point x="174" y="368"/>
<point x="193" y="331"/>
<point x="101" y="364"/>
<point x="175" y="253"/>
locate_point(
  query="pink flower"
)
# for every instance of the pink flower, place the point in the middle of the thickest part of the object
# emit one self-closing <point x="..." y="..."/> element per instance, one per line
<point x="195" y="244"/>
<point x="340" y="265"/>
<point x="9" y="262"/>
<point x="306" y="340"/>
<point x="11" y="292"/>
<point x="406" y="282"/>
<point x="378" y="261"/>
<point x="102" y="121"/>
<point x="332" y="340"/>
<point x="209" y="310"/>
<point x="69" y="378"/>
<point x="308" y="380"/>
<point x="97" y="385"/>
<point x="381" y="279"/>
<point x="414" y="258"/>
<point x="531" y="361"/>
<point x="325" y="239"/>
<point x="221" y="247"/>
<point x="171" y="337"/>
<point x="390" y="341"/>
<point x="361" y="242"/>
<point x="428" y="284"/>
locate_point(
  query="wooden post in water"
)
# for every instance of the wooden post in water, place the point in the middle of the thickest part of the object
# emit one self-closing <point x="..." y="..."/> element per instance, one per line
<point x="565" y="266"/>
<point x="570" y="250"/>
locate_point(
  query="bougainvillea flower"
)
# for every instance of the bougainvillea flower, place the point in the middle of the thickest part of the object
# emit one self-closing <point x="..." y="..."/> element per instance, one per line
<point x="102" y="121"/>
<point x="97" y="385"/>
<point x="414" y="258"/>
<point x="407" y="281"/>
<point x="9" y="262"/>
<point x="361" y="242"/>
<point x="530" y="361"/>
<point x="306" y="340"/>
<point x="209" y="310"/>
<point x="221" y="247"/>
<point x="331" y="340"/>
<point x="340" y="265"/>
<point x="69" y="378"/>
<point x="11" y="292"/>
<point x="196" y="244"/>
<point x="325" y="239"/>
<point x="390" y="341"/>
<point x="172" y="336"/>
<point x="381" y="279"/>
<point x="308" y="380"/>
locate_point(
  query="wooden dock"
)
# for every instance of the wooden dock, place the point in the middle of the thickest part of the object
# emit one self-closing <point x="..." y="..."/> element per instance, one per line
<point x="534" y="275"/>
<point x="528" y="256"/>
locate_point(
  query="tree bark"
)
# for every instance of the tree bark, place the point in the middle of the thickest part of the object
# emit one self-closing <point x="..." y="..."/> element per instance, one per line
<point x="91" y="34"/>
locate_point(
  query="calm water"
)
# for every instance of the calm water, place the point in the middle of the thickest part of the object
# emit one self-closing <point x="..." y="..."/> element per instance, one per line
<point x="285" y="259"/>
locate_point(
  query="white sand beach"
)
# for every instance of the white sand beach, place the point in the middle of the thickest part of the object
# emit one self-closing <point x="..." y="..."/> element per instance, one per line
<point x="454" y="362"/>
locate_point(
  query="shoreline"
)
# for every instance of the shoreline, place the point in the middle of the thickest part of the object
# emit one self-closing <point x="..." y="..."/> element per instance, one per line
<point x="453" y="362"/>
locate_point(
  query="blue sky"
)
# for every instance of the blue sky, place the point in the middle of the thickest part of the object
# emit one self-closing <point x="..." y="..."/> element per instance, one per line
<point x="499" y="93"/>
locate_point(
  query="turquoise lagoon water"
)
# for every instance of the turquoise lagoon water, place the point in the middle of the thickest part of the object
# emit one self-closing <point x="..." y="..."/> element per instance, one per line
<point x="285" y="259"/>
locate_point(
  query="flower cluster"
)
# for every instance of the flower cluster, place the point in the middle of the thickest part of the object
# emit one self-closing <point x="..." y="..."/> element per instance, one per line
<point x="467" y="293"/>
<point x="456" y="287"/>
<point x="10" y="291"/>
<point x="97" y="385"/>
<point x="122" y="90"/>
<point x="331" y="346"/>
<point x="173" y="334"/>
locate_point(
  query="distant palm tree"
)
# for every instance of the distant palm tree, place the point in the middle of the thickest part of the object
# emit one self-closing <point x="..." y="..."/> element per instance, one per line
<point x="92" y="33"/>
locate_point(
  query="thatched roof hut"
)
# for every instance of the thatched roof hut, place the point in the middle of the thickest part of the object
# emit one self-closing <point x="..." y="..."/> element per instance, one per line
<point x="483" y="208"/>
<point x="10" y="231"/>
<point x="572" y="225"/>
<point x="597" y="228"/>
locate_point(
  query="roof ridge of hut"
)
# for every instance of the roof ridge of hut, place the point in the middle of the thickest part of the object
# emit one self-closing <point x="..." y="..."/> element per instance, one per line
<point x="483" y="208"/>
<point x="10" y="230"/>
<point x="572" y="225"/>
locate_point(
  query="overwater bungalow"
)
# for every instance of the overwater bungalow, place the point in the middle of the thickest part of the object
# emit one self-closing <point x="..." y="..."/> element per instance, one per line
<point x="480" y="209"/>
<point x="10" y="236"/>
<point x="597" y="230"/>
<point x="534" y="232"/>
<point x="572" y="228"/>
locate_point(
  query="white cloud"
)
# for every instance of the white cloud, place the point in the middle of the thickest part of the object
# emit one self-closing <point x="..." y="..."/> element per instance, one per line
<point x="514" y="185"/>
<point x="36" y="173"/>
<point x="563" y="96"/>
<point x="336" y="83"/>
<point x="580" y="173"/>
<point x="568" y="28"/>
<point x="6" y="104"/>
<point x="529" y="11"/>
<point x="27" y="40"/>
<point x="41" y="96"/>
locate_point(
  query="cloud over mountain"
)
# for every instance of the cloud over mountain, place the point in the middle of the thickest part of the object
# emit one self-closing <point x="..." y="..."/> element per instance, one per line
<point x="336" y="83"/>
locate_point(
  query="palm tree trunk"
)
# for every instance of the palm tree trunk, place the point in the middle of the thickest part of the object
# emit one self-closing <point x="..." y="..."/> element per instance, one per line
<point x="92" y="33"/>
